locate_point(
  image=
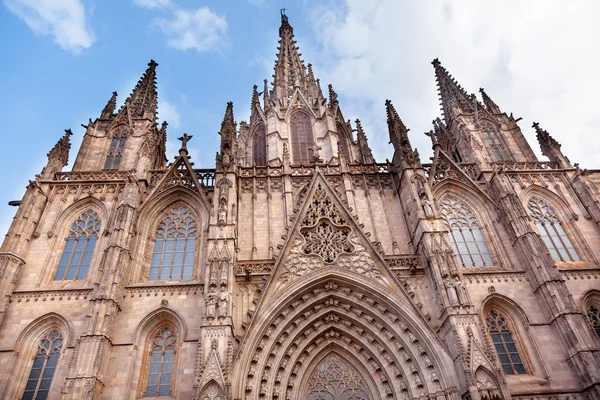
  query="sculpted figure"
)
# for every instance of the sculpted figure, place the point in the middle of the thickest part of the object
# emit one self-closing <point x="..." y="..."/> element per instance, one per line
<point x="211" y="303"/>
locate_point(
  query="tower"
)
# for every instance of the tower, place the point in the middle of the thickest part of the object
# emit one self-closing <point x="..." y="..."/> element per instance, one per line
<point x="298" y="267"/>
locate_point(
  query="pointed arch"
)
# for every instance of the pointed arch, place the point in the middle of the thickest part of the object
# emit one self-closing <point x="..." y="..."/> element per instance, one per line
<point x="116" y="149"/>
<point x="27" y="347"/>
<point x="546" y="210"/>
<point x="590" y="305"/>
<point x="487" y="385"/>
<point x="301" y="135"/>
<point x="344" y="141"/>
<point x="508" y="329"/>
<point x="212" y="391"/>
<point x="259" y="145"/>
<point x="150" y="217"/>
<point x="332" y="307"/>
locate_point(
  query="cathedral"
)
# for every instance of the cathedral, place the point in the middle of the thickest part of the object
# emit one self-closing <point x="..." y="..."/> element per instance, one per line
<point x="299" y="267"/>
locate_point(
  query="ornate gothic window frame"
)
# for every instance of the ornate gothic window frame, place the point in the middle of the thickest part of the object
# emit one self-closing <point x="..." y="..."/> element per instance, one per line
<point x="147" y="359"/>
<point x="310" y="144"/>
<point x="490" y="131"/>
<point x="255" y="133"/>
<point x="569" y="229"/>
<point x="483" y="228"/>
<point x="589" y="300"/>
<point x="116" y="148"/>
<point x="344" y="142"/>
<point x="197" y="244"/>
<point x="521" y="332"/>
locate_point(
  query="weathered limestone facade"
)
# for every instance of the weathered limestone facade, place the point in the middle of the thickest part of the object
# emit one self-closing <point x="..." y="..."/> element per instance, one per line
<point x="299" y="268"/>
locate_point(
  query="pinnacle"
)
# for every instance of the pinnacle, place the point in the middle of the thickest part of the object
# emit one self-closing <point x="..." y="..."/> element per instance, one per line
<point x="333" y="97"/>
<point x="454" y="99"/>
<point x="60" y="151"/>
<point x="143" y="98"/>
<point x="544" y="137"/>
<point x="392" y="115"/>
<point x="228" y="118"/>
<point x="490" y="105"/>
<point x="109" y="109"/>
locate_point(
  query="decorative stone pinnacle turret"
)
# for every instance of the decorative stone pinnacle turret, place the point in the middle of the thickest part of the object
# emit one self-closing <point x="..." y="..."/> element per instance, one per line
<point x="454" y="99"/>
<point x="143" y="100"/>
<point x="363" y="145"/>
<point x="333" y="97"/>
<point x="490" y="105"/>
<point x="109" y="109"/>
<point x="404" y="153"/>
<point x="60" y="151"/>
<point x="550" y="147"/>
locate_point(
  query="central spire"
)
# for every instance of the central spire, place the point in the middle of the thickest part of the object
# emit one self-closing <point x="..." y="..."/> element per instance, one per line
<point x="290" y="71"/>
<point x="143" y="99"/>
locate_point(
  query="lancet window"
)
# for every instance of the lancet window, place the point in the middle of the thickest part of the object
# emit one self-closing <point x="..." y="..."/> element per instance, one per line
<point x="77" y="255"/>
<point x="174" y="246"/>
<point x="162" y="359"/>
<point x="492" y="140"/>
<point x="343" y="142"/>
<point x="551" y="230"/>
<point x="302" y="139"/>
<point x="335" y="379"/>
<point x="593" y="316"/>
<point x="44" y="365"/>
<point x="506" y="348"/>
<point x="467" y="238"/>
<point x="116" y="149"/>
<point x="259" y="146"/>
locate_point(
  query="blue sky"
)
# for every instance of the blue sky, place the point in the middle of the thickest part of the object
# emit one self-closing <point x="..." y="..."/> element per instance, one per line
<point x="63" y="58"/>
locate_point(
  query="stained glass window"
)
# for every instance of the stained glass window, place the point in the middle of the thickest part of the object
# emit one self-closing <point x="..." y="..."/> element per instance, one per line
<point x="504" y="343"/>
<point x="467" y="239"/>
<point x="492" y="140"/>
<point x="593" y="317"/>
<point x="162" y="358"/>
<point x="44" y="365"/>
<point x="335" y="379"/>
<point x="116" y="149"/>
<point x="302" y="139"/>
<point x="174" y="246"/>
<point x="259" y="146"/>
<point x="77" y="255"/>
<point x="551" y="230"/>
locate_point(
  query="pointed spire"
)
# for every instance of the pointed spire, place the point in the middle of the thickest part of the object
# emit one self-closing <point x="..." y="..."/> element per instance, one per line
<point x="489" y="103"/>
<point x="265" y="94"/>
<point x="228" y="119"/>
<point x="454" y="99"/>
<point x="254" y="97"/>
<point x="228" y="138"/>
<point x="109" y="109"/>
<point x="60" y="151"/>
<point x="550" y="147"/>
<point x="363" y="145"/>
<point x="408" y="157"/>
<point x="333" y="97"/>
<point x="143" y="99"/>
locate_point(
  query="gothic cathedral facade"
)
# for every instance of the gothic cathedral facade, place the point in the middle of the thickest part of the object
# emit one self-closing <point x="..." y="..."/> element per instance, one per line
<point x="299" y="268"/>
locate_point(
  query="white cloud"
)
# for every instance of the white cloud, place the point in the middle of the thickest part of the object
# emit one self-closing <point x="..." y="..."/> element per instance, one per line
<point x="168" y="112"/>
<point x="375" y="50"/>
<point x="201" y="29"/>
<point x="153" y="3"/>
<point x="64" y="20"/>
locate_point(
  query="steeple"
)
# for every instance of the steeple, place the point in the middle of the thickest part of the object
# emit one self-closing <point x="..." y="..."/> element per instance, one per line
<point x="109" y="109"/>
<point x="489" y="103"/>
<point x="366" y="156"/>
<point x="58" y="157"/>
<point x="550" y="147"/>
<point x="290" y="71"/>
<point x="142" y="101"/>
<point x="454" y="99"/>
<point x="404" y="154"/>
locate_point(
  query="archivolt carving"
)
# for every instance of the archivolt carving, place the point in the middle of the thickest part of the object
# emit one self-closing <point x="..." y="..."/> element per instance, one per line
<point x="387" y="346"/>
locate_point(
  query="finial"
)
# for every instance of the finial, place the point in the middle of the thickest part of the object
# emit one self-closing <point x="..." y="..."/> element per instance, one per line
<point x="152" y="64"/>
<point x="333" y="98"/>
<point x="436" y="63"/>
<point x="184" y="140"/>
<point x="284" y="18"/>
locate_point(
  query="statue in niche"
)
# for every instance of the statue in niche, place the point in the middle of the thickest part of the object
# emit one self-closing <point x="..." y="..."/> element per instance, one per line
<point x="223" y="304"/>
<point x="211" y="303"/>
<point x="427" y="207"/>
<point x="451" y="292"/>
<point x="461" y="293"/>
<point x="222" y="214"/>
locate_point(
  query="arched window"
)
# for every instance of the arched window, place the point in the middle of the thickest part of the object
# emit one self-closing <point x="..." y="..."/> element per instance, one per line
<point x="504" y="343"/>
<point x="551" y="230"/>
<point x="44" y="365"/>
<point x="259" y="146"/>
<point x="467" y="239"/>
<point x="302" y="139"/>
<point x="335" y="379"/>
<point x="162" y="359"/>
<point x="343" y="142"/>
<point x="77" y="255"/>
<point x="115" y="151"/>
<point x="492" y="140"/>
<point x="592" y="313"/>
<point x="174" y="246"/>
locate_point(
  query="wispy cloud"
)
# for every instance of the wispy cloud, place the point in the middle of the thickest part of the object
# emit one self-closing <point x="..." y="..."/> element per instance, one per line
<point x="168" y="112"/>
<point x="200" y="29"/>
<point x="64" y="20"/>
